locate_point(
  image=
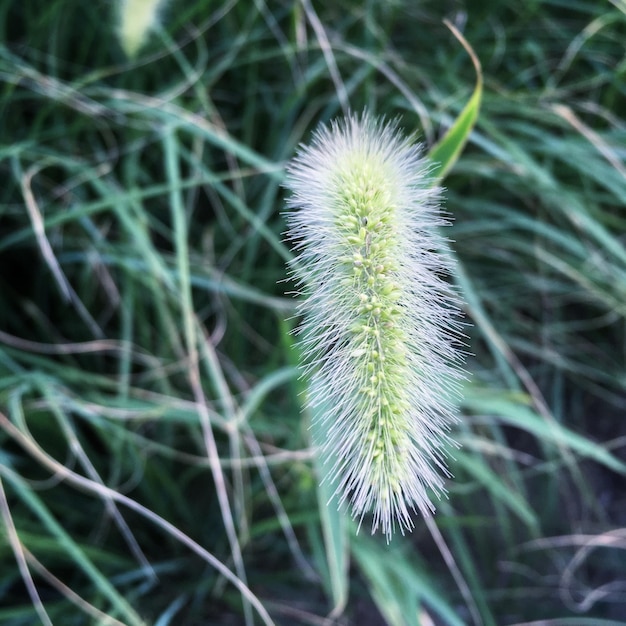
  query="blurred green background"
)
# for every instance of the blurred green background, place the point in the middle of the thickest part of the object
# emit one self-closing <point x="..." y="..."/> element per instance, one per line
<point x="155" y="465"/>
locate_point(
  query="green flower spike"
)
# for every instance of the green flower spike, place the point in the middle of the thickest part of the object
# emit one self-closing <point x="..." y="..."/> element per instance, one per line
<point x="136" y="19"/>
<point x="380" y="329"/>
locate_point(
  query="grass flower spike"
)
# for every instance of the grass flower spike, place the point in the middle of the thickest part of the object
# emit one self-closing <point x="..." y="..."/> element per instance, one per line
<point x="137" y="19"/>
<point x="379" y="320"/>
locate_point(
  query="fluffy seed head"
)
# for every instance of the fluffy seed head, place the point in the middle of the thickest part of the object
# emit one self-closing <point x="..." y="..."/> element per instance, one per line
<point x="137" y="19"/>
<point x="379" y="321"/>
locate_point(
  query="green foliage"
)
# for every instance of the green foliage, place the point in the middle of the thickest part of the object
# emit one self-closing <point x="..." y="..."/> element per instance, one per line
<point x="155" y="465"/>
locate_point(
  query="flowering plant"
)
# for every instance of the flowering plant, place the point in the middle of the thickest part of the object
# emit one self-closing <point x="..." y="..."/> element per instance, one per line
<point x="136" y="19"/>
<point x="379" y="321"/>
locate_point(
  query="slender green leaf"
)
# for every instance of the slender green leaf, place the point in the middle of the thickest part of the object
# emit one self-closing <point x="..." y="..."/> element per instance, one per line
<point x="446" y="152"/>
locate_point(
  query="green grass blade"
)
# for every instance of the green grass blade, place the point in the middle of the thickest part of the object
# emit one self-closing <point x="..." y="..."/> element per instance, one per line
<point x="399" y="585"/>
<point x="22" y="489"/>
<point x="334" y="524"/>
<point x="446" y="152"/>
